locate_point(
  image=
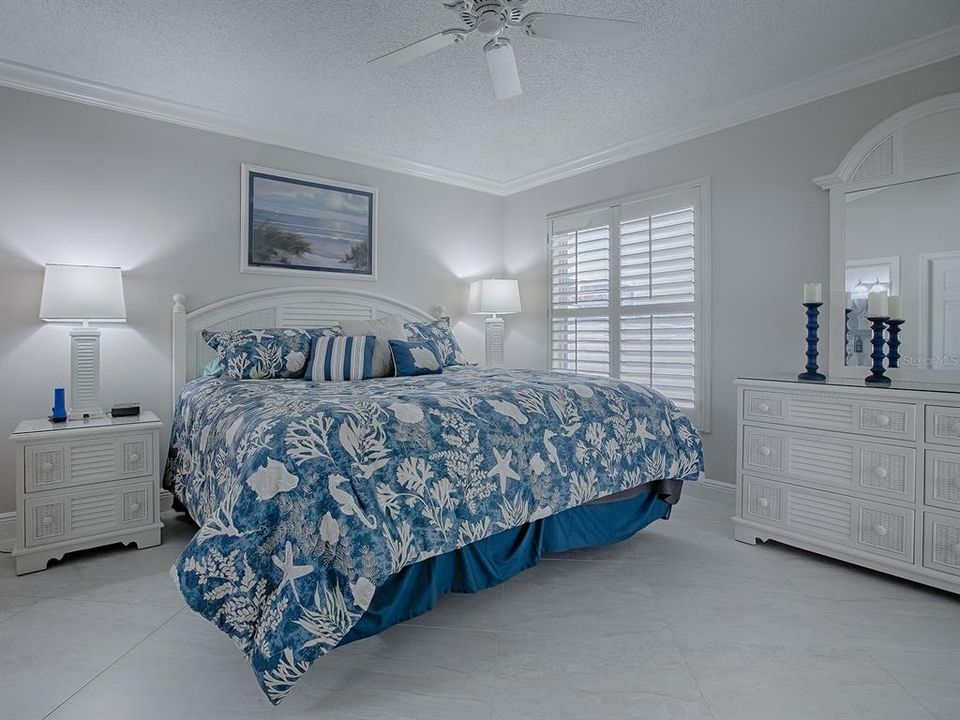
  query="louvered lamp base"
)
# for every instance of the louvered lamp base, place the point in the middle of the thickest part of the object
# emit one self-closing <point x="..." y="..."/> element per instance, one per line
<point x="493" y="336"/>
<point x="85" y="374"/>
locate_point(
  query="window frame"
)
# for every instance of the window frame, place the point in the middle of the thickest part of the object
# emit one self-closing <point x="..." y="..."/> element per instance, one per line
<point x="702" y="290"/>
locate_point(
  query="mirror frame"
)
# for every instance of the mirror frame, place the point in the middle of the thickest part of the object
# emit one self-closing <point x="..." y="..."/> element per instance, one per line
<point x="917" y="143"/>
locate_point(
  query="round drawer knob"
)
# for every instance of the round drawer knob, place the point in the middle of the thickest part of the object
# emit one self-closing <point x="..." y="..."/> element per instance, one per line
<point x="765" y="451"/>
<point x="47" y="466"/>
<point x="880" y="530"/>
<point x="47" y="521"/>
<point x="764" y="503"/>
<point x="134" y="457"/>
<point x="956" y="549"/>
<point x="764" y="408"/>
<point x="881" y="472"/>
<point x="883" y="420"/>
<point x="134" y="506"/>
<point x="955" y="428"/>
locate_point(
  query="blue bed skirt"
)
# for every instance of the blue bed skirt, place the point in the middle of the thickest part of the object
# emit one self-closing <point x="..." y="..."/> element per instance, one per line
<point x="488" y="562"/>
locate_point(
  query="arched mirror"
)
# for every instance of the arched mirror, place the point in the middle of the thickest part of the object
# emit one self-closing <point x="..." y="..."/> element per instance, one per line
<point x="895" y="231"/>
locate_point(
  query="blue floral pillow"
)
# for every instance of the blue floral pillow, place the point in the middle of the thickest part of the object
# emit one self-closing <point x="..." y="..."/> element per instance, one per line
<point x="265" y="354"/>
<point x="415" y="357"/>
<point x="439" y="333"/>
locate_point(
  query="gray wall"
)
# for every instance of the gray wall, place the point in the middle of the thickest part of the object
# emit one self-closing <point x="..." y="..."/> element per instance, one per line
<point x="769" y="231"/>
<point x="84" y="185"/>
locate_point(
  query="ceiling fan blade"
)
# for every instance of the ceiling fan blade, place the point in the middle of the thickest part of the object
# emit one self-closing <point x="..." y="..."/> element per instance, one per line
<point x="420" y="48"/>
<point x="574" y="28"/>
<point x="502" y="64"/>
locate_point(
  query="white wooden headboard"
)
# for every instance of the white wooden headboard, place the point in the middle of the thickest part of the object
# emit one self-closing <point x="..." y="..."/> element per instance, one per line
<point x="277" y="307"/>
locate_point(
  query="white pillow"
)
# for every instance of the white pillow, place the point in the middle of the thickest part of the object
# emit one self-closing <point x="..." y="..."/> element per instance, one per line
<point x="385" y="328"/>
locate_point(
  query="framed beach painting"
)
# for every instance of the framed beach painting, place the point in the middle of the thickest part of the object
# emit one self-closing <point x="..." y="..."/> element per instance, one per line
<point x="298" y="224"/>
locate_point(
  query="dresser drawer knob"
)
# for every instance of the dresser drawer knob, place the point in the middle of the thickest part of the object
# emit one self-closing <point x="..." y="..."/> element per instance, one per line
<point x="955" y="428"/>
<point x="955" y="548"/>
<point x="765" y="451"/>
<point x="880" y="530"/>
<point x="46" y="466"/>
<point x="134" y="457"/>
<point x="764" y="408"/>
<point x="881" y="472"/>
<point x="883" y="420"/>
<point x="47" y="521"/>
<point x="764" y="503"/>
<point x="134" y="506"/>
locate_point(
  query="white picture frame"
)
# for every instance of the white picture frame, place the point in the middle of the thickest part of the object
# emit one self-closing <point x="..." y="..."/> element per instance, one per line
<point x="329" y="217"/>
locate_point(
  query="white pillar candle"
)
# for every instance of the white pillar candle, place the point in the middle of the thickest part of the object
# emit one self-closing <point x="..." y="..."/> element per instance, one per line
<point x="877" y="304"/>
<point x="812" y="292"/>
<point x="895" y="307"/>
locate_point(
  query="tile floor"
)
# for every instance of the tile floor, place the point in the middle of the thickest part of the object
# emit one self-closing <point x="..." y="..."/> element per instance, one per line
<point x="678" y="622"/>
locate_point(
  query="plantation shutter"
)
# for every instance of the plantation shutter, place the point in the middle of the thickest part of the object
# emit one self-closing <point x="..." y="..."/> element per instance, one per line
<point x="580" y="293"/>
<point x="623" y="293"/>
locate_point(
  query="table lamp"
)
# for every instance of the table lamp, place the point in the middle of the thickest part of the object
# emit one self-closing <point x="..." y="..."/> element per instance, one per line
<point x="87" y="294"/>
<point x="494" y="297"/>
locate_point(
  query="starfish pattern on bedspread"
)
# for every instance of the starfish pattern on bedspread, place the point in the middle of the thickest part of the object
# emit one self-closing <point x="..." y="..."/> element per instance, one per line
<point x="310" y="495"/>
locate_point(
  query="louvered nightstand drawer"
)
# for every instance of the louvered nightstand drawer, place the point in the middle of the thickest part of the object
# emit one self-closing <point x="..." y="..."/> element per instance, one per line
<point x="831" y="517"/>
<point x="941" y="542"/>
<point x="55" y="517"/>
<point x="50" y="466"/>
<point x="848" y="465"/>
<point x="878" y="419"/>
<point x="943" y="425"/>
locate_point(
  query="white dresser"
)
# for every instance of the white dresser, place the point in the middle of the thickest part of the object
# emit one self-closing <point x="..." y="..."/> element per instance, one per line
<point x="82" y="484"/>
<point x="867" y="475"/>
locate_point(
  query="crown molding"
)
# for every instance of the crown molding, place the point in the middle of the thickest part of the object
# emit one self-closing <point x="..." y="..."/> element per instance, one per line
<point x="67" y="87"/>
<point x="909" y="56"/>
<point x="902" y="58"/>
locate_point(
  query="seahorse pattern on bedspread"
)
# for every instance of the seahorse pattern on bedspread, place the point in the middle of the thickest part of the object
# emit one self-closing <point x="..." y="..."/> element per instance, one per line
<point x="310" y="495"/>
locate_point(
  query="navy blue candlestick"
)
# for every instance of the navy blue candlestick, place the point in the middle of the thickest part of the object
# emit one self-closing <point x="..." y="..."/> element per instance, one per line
<point x="876" y="376"/>
<point x="813" y="325"/>
<point x="893" y="343"/>
<point x="846" y="335"/>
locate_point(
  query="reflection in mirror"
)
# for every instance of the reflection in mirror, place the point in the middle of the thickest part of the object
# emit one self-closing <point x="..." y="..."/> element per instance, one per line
<point x="905" y="239"/>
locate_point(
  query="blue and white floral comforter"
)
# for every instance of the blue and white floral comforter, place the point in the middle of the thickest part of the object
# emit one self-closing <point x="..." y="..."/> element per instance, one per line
<point x="310" y="495"/>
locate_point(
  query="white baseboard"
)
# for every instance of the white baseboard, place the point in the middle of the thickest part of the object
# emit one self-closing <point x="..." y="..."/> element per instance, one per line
<point x="712" y="490"/>
<point x="8" y="530"/>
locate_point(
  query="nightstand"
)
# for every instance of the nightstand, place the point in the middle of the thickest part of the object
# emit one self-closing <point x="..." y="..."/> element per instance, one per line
<point x="85" y="483"/>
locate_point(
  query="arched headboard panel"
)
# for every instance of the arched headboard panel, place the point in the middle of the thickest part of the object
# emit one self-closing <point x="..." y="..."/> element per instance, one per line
<point x="277" y="307"/>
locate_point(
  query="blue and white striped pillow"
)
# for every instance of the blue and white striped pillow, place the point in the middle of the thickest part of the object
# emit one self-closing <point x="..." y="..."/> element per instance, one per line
<point x="348" y="357"/>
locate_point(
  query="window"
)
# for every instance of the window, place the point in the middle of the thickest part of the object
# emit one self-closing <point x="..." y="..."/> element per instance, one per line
<point x="628" y="281"/>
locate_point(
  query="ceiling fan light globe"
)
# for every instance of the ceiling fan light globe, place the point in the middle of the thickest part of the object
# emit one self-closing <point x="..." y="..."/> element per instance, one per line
<point x="502" y="64"/>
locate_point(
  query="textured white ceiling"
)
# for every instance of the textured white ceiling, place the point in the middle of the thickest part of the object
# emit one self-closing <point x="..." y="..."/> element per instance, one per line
<point x="301" y="64"/>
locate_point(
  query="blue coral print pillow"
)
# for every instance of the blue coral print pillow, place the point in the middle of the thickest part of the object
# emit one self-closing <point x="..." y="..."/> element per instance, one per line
<point x="265" y="354"/>
<point x="415" y="357"/>
<point x="439" y="333"/>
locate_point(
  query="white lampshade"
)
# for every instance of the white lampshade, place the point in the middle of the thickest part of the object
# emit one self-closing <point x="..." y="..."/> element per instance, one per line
<point x="494" y="297"/>
<point x="74" y="293"/>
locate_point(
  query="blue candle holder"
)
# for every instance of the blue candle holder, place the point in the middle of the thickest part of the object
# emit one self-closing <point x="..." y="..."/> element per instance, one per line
<point x="893" y="343"/>
<point x="846" y="335"/>
<point x="876" y="376"/>
<point x="813" y="339"/>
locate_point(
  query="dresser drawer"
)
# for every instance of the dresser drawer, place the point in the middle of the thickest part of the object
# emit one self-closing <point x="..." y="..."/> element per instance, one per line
<point x="862" y="524"/>
<point x="49" y="466"/>
<point x="837" y="462"/>
<point x="942" y="479"/>
<point x="941" y="543"/>
<point x="943" y="425"/>
<point x="878" y="419"/>
<point x="56" y="517"/>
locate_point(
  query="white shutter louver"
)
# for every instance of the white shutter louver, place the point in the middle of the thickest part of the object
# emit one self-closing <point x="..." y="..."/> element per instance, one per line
<point x="640" y="256"/>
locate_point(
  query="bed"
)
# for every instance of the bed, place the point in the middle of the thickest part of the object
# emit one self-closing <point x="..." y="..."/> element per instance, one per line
<point x="328" y="512"/>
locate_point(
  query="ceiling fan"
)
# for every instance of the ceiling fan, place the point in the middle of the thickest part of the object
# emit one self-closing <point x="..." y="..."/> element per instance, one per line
<point x="491" y="18"/>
